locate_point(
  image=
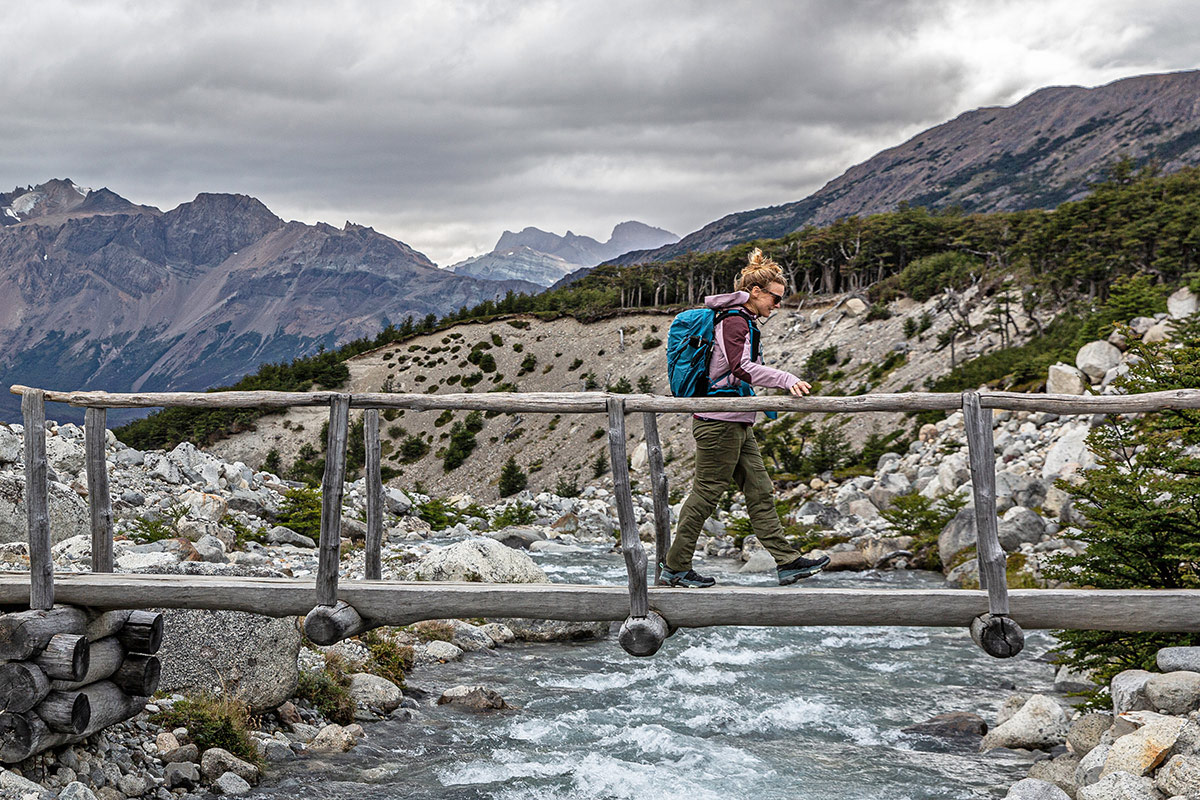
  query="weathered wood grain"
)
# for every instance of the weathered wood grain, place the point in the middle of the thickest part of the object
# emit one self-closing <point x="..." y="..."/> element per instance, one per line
<point x="1093" y="404"/>
<point x="631" y="543"/>
<point x="99" y="501"/>
<point x="262" y="399"/>
<point x="37" y="501"/>
<point x="138" y="675"/>
<point x="998" y="636"/>
<point x="66" y="657"/>
<point x="25" y="633"/>
<point x="329" y="553"/>
<point x="643" y="636"/>
<point x="993" y="573"/>
<point x="66" y="712"/>
<point x="400" y="603"/>
<point x="658" y="487"/>
<point x="22" y="686"/>
<point x="374" y="543"/>
<point x="142" y="632"/>
<point x="104" y="658"/>
<point x="326" y="625"/>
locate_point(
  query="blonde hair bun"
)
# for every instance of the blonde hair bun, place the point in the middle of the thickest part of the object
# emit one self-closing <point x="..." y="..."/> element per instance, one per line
<point x="759" y="271"/>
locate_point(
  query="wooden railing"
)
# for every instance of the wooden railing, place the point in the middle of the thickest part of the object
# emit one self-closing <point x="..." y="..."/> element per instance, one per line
<point x="331" y="618"/>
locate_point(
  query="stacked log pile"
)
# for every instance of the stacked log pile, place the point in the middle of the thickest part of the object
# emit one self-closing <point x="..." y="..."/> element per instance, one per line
<point x="65" y="674"/>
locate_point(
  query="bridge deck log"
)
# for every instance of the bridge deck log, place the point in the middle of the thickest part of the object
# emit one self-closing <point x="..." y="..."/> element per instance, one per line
<point x="401" y="603"/>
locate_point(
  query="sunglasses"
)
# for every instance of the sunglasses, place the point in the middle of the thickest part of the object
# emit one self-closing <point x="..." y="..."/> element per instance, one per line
<point x="778" y="297"/>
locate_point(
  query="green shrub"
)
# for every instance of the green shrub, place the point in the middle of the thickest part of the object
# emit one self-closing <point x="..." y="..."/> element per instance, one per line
<point x="622" y="386"/>
<point x="213" y="721"/>
<point x="878" y="311"/>
<point x="462" y="444"/>
<point x="329" y="692"/>
<point x="923" y="519"/>
<point x="517" y="513"/>
<point x="644" y="385"/>
<point x="387" y="658"/>
<point x="512" y="478"/>
<point x="600" y="465"/>
<point x="651" y="342"/>
<point x="413" y="448"/>
<point x="567" y="487"/>
<point x="301" y="511"/>
<point x="576" y="364"/>
<point x="271" y="462"/>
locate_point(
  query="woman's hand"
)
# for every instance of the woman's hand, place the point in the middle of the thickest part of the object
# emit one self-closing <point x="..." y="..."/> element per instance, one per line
<point x="799" y="388"/>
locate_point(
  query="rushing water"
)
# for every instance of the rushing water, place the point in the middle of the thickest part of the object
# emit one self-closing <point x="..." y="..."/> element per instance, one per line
<point x="759" y="713"/>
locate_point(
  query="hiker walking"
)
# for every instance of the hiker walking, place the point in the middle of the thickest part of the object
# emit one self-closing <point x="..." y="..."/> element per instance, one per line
<point x="725" y="445"/>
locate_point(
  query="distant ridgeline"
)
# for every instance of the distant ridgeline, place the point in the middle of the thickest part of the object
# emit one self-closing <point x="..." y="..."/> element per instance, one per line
<point x="1131" y="224"/>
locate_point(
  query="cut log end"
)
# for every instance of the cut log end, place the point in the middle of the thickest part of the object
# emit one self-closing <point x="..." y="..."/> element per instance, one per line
<point x="66" y="712"/>
<point x="326" y="625"/>
<point x="138" y="675"/>
<point x="998" y="636"/>
<point x="642" y="636"/>
<point x="142" y="632"/>
<point x="66" y="657"/>
<point x="22" y="686"/>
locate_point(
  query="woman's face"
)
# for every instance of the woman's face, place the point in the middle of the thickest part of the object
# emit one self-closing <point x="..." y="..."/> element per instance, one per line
<point x="764" y="301"/>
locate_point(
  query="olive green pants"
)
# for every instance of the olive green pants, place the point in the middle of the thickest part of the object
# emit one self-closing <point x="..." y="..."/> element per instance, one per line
<point x="727" y="451"/>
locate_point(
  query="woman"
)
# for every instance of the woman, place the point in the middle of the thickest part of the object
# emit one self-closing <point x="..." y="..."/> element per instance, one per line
<point x="725" y="445"/>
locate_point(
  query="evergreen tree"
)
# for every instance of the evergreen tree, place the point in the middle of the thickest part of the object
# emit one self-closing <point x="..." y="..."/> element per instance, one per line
<point x="600" y="465"/>
<point x="1142" y="509"/>
<point x="512" y="478"/>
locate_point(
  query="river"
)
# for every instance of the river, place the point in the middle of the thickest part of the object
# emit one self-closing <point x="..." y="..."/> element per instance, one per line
<point x="747" y="712"/>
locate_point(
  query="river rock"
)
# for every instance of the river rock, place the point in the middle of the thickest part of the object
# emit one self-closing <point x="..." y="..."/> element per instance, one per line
<point x="483" y="560"/>
<point x="12" y="445"/>
<point x="1058" y="771"/>
<point x="518" y="537"/>
<point x="964" y="576"/>
<point x="854" y="560"/>
<point x="1119" y="786"/>
<point x="1085" y="732"/>
<point x="1128" y="690"/>
<point x="1179" y="776"/>
<point x="1035" y="789"/>
<point x="1039" y="724"/>
<point x="954" y="724"/>
<point x="184" y="752"/>
<point x="181" y="775"/>
<point x="474" y="698"/>
<point x="1141" y="751"/>
<point x="1174" y="692"/>
<point x="1090" y="766"/>
<point x="76" y="791"/>
<point x="281" y="534"/>
<point x="1181" y="303"/>
<point x="1068" y="680"/>
<point x="500" y="634"/>
<point x="470" y="638"/>
<point x="760" y="561"/>
<point x="230" y="785"/>
<point x="373" y="691"/>
<point x="1172" y="659"/>
<point x="958" y="535"/>
<point x="439" y="652"/>
<point x="68" y="512"/>
<point x="216" y="762"/>
<point x="336" y="738"/>
<point x="1019" y="526"/>
<point x="553" y="630"/>
<point x="249" y="655"/>
<point x="1096" y="358"/>
<point x="1070" y="448"/>
<point x="1064" y="379"/>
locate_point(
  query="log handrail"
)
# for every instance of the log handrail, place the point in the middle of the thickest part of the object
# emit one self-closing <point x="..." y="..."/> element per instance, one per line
<point x="645" y="627"/>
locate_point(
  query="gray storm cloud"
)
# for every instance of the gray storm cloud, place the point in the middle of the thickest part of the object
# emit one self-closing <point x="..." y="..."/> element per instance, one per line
<point x="443" y="123"/>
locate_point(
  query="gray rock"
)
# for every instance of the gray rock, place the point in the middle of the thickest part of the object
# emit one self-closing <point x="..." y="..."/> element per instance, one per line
<point x="250" y="655"/>
<point x="1159" y="332"/>
<point x="216" y="762"/>
<point x="518" y="537"/>
<point x="958" y="535"/>
<point x="440" y="652"/>
<point x="1084" y="733"/>
<point x="1039" y="724"/>
<point x="1128" y="691"/>
<point x="12" y="446"/>
<point x="131" y="457"/>
<point x="76" y="791"/>
<point x="470" y="638"/>
<point x="825" y="516"/>
<point x="1180" y="775"/>
<point x="1188" y="741"/>
<point x="1091" y="765"/>
<point x="965" y="575"/>
<point x="500" y="634"/>
<point x="68" y="512"/>
<point x="252" y="503"/>
<point x="375" y="692"/>
<point x="1068" y="680"/>
<point x="1070" y="448"/>
<point x="1141" y="324"/>
<point x="1119" y="786"/>
<point x="396" y="501"/>
<point x="1058" y="771"/>
<point x="353" y="529"/>
<point x="473" y="698"/>
<point x="181" y="775"/>
<point x="482" y="560"/>
<point x="1035" y="789"/>
<point x="211" y="549"/>
<point x="281" y="534"/>
<point x="230" y="785"/>
<point x="551" y="630"/>
<point x="131" y="785"/>
<point x="1142" y="750"/>
<point x="1096" y="358"/>
<point x="275" y="751"/>
<point x="1020" y="526"/>
<point x="955" y="724"/>
<point x="1174" y="692"/>
<point x="184" y="752"/>
<point x="1011" y="705"/>
<point x="760" y="561"/>
<point x="1181" y="303"/>
<point x="132" y="497"/>
<point x="1173" y="659"/>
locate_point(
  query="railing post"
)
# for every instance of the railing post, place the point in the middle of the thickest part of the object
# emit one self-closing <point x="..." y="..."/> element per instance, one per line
<point x="658" y="484"/>
<point x="37" y="502"/>
<point x="643" y="631"/>
<point x="997" y="634"/>
<point x="374" y="567"/>
<point x="99" y="501"/>
<point x="331" y="500"/>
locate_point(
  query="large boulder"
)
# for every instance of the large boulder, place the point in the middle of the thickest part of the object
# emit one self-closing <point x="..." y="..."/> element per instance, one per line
<point x="473" y="698"/>
<point x="1180" y="776"/>
<point x="1086" y="731"/>
<point x="479" y="560"/>
<point x="1171" y="659"/>
<point x="1174" y="692"/>
<point x="1019" y="526"/>
<point x="1128" y="691"/>
<point x="1119" y="786"/>
<point x="1034" y="789"/>
<point x="553" y="630"/>
<point x="373" y="691"/>
<point x="958" y="535"/>
<point x="249" y="655"/>
<point x="518" y="537"/>
<point x="1182" y="303"/>
<point x="1096" y="358"/>
<point x="1039" y="724"/>
<point x="1065" y="379"/>
<point x="68" y="512"/>
<point x="12" y="445"/>
<point x="1159" y="332"/>
<point x="1071" y="448"/>
<point x="1141" y="751"/>
<point x="1058" y="771"/>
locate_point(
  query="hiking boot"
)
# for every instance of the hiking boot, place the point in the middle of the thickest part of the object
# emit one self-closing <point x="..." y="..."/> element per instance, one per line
<point x="800" y="567"/>
<point x="689" y="579"/>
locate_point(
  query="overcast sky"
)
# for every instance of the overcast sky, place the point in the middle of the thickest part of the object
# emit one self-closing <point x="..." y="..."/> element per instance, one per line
<point x="442" y="123"/>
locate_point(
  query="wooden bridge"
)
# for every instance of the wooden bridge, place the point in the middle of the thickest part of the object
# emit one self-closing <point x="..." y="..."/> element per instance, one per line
<point x="334" y="610"/>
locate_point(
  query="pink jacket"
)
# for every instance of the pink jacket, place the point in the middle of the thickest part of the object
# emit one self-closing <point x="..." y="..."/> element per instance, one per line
<point x="731" y="354"/>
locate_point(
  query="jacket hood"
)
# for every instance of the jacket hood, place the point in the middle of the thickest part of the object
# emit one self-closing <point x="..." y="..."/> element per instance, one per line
<point x="730" y="300"/>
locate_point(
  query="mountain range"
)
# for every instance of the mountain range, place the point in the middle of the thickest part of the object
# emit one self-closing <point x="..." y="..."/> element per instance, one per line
<point x="97" y="292"/>
<point x="1041" y="151"/>
<point x="545" y="258"/>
